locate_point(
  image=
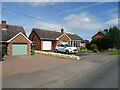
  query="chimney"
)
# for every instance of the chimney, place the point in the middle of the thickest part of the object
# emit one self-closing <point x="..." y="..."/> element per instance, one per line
<point x="4" y="26"/>
<point x="62" y="30"/>
<point x="105" y="30"/>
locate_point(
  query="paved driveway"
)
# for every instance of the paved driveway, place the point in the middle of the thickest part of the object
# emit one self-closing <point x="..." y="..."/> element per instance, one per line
<point x="21" y="64"/>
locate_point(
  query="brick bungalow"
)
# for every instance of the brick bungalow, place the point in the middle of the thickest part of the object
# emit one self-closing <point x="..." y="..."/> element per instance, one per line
<point x="15" y="40"/>
<point x="100" y="34"/>
<point x="47" y="40"/>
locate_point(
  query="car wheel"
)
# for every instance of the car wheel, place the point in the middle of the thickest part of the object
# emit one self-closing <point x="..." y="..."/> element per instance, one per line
<point x="56" y="51"/>
<point x="67" y="52"/>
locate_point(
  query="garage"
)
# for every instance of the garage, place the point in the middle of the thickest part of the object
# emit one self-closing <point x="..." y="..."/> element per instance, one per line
<point x="19" y="49"/>
<point x="46" y="45"/>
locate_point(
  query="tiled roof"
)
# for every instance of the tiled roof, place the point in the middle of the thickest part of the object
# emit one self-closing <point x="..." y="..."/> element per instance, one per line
<point x="11" y="31"/>
<point x="74" y="36"/>
<point x="52" y="35"/>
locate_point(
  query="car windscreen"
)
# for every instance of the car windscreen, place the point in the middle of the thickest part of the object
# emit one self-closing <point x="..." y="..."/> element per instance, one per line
<point x="67" y="45"/>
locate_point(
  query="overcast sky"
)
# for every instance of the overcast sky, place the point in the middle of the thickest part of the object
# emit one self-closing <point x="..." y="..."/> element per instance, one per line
<point x="82" y="18"/>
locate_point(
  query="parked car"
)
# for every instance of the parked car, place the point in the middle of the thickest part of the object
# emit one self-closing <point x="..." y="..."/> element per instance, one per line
<point x="66" y="48"/>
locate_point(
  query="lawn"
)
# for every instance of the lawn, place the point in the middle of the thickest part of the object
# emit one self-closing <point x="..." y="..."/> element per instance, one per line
<point x="115" y="53"/>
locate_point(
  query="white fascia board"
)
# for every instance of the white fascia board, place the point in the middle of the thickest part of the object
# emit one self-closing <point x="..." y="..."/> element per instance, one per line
<point x="62" y="35"/>
<point x="18" y="35"/>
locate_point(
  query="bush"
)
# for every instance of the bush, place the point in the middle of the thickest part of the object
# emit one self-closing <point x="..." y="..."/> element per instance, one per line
<point x="112" y="49"/>
<point x="87" y="51"/>
<point x="83" y="48"/>
<point x="32" y="51"/>
<point x="93" y="46"/>
<point x="95" y="50"/>
<point x="4" y="51"/>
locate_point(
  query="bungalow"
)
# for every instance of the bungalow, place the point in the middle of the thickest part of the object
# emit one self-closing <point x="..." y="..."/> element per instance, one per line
<point x="14" y="39"/>
<point x="47" y="40"/>
<point x="100" y="34"/>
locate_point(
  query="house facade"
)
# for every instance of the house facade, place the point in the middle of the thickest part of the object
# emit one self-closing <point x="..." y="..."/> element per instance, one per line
<point x="15" y="40"/>
<point x="47" y="40"/>
<point x="100" y="34"/>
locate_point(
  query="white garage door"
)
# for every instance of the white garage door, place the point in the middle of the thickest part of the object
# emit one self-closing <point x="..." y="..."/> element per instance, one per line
<point x="47" y="45"/>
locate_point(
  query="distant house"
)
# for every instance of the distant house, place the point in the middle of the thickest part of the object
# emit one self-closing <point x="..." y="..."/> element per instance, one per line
<point x="15" y="40"/>
<point x="100" y="34"/>
<point x="47" y="40"/>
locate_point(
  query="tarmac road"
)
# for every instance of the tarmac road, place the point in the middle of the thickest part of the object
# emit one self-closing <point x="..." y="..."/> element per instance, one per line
<point x="106" y="76"/>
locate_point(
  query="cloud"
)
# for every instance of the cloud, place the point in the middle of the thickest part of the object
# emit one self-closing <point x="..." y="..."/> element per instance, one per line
<point x="41" y="3"/>
<point x="80" y="8"/>
<point x="113" y="22"/>
<point x="82" y="21"/>
<point x="80" y="24"/>
<point x="41" y="25"/>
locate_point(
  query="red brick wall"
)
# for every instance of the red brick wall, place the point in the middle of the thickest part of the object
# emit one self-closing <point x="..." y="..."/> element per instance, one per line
<point x="34" y="37"/>
<point x="19" y="39"/>
<point x="98" y="35"/>
<point x="65" y="38"/>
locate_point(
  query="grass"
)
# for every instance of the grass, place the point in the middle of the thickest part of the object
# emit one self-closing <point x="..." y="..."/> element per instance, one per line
<point x="87" y="51"/>
<point x="115" y="53"/>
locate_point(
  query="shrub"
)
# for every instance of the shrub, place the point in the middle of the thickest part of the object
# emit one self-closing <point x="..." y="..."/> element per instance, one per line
<point x="83" y="48"/>
<point x="95" y="50"/>
<point x="87" y="51"/>
<point x="4" y="51"/>
<point x="93" y="46"/>
<point x="112" y="49"/>
<point x="32" y="51"/>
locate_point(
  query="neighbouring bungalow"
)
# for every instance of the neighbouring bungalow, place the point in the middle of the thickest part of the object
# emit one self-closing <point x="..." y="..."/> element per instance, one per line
<point x="15" y="40"/>
<point x="47" y="40"/>
<point x="100" y="34"/>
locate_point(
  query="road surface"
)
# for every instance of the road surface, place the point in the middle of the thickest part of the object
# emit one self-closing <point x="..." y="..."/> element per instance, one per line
<point x="106" y="76"/>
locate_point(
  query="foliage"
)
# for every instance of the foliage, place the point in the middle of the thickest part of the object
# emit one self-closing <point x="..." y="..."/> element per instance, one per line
<point x="93" y="46"/>
<point x="83" y="48"/>
<point x="112" y="49"/>
<point x="32" y="51"/>
<point x="87" y="44"/>
<point x="110" y="40"/>
<point x="95" y="50"/>
<point x="115" y="35"/>
<point x="115" y="53"/>
<point x="4" y="50"/>
<point x="87" y="51"/>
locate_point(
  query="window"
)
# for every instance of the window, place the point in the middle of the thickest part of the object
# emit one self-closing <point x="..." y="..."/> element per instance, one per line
<point x="76" y="43"/>
<point x="64" y="42"/>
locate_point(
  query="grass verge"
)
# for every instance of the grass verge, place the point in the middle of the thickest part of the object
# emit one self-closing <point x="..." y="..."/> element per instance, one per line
<point x="115" y="53"/>
<point x="87" y="51"/>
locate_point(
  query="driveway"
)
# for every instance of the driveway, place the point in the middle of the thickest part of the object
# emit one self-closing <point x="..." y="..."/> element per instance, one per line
<point x="21" y="64"/>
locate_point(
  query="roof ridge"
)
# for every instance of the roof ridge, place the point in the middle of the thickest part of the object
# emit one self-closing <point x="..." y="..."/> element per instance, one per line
<point x="14" y="25"/>
<point x="45" y="30"/>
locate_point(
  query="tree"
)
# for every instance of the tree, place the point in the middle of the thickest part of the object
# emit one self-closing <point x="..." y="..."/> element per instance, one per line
<point x="110" y="40"/>
<point x="115" y="35"/>
<point x="87" y="44"/>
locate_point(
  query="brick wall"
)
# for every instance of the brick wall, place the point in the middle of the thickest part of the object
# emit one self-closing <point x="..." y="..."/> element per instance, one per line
<point x="34" y="37"/>
<point x="98" y="35"/>
<point x="19" y="39"/>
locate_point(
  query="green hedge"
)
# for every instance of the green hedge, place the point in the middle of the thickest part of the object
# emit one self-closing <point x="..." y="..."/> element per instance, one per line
<point x="3" y="50"/>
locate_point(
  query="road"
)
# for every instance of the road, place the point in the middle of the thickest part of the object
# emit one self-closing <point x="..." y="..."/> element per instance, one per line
<point x="86" y="72"/>
<point x="106" y="76"/>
